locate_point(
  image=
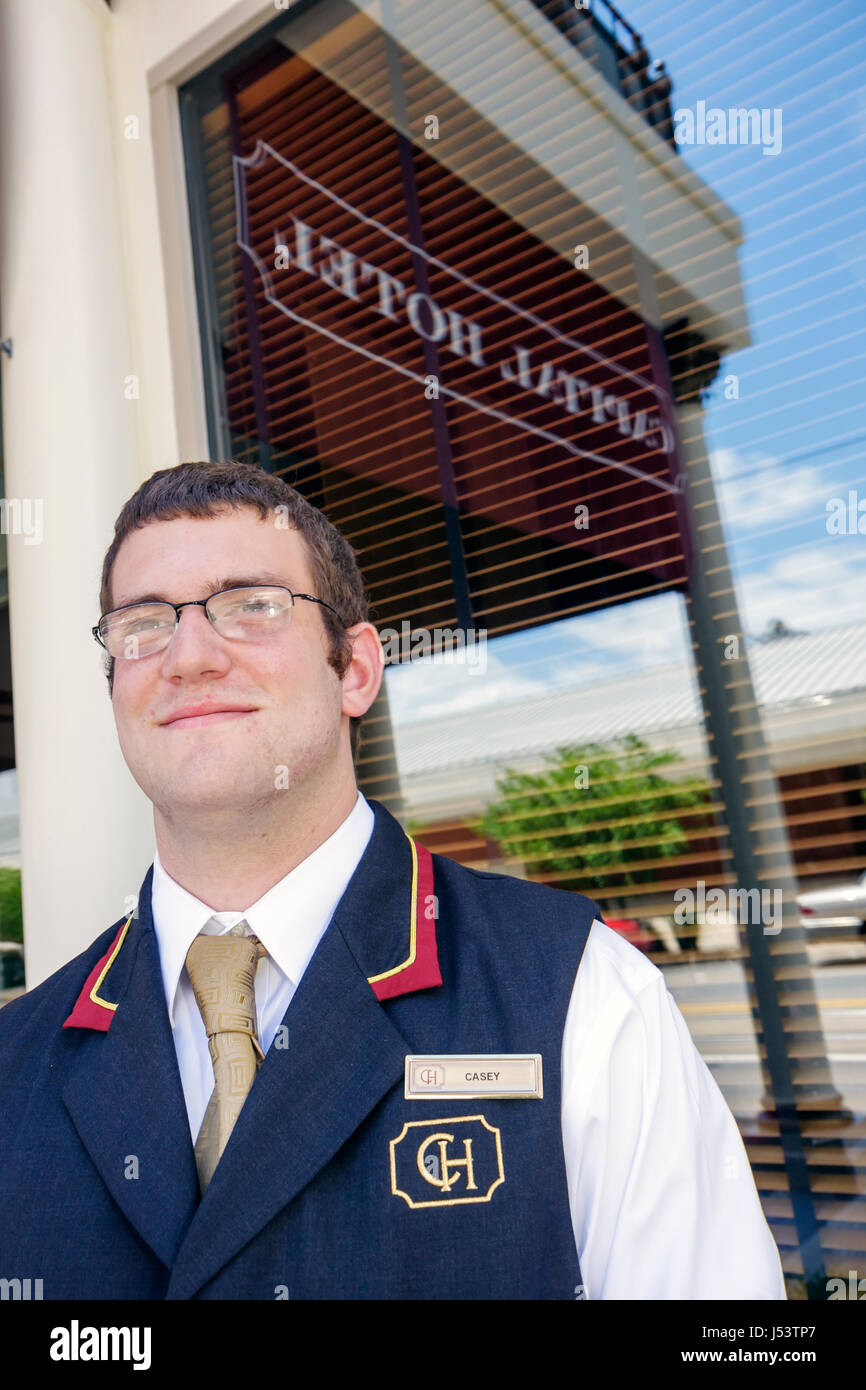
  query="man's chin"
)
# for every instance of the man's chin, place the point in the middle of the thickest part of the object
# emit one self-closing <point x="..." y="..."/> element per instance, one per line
<point x="226" y="790"/>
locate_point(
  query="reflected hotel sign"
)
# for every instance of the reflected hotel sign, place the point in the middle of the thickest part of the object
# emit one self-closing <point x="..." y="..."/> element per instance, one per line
<point x="490" y="348"/>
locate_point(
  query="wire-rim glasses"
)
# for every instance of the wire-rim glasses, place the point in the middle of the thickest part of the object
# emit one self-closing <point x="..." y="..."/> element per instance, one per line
<point x="247" y="614"/>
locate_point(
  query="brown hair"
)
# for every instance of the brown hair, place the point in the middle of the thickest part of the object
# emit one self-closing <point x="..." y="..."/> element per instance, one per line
<point x="205" y="489"/>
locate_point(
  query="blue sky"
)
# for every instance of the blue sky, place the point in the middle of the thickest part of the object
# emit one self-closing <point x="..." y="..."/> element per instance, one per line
<point x="780" y="451"/>
<point x="796" y="437"/>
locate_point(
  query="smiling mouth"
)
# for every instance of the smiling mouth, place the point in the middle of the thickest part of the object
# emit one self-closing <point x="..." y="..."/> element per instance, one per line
<point x="193" y="720"/>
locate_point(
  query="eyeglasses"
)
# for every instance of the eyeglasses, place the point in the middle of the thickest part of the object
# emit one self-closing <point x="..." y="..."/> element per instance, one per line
<point x="244" y="615"/>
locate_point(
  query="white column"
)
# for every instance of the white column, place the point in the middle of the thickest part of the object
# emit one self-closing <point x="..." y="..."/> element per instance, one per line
<point x="70" y="447"/>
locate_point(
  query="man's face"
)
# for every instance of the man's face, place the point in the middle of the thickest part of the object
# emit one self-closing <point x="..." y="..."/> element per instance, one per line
<point x="290" y="695"/>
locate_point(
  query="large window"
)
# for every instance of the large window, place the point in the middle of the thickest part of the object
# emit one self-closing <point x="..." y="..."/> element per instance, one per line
<point x="563" y="383"/>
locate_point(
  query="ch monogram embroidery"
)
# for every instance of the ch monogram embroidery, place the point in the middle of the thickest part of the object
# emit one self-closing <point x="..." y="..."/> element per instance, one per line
<point x="437" y="1163"/>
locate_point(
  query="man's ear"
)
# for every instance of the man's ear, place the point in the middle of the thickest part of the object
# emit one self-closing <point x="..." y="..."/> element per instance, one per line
<point x="364" y="673"/>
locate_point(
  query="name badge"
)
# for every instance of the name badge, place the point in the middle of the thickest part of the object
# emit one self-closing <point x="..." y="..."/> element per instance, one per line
<point x="458" y="1076"/>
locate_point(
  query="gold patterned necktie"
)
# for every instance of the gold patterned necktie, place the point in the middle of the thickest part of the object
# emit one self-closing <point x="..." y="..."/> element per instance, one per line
<point x="222" y="970"/>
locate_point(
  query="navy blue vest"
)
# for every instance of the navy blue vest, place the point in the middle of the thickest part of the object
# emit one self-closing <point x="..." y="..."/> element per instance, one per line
<point x="333" y="1184"/>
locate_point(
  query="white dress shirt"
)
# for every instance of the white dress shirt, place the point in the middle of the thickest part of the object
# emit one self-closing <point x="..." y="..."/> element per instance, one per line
<point x="662" y="1198"/>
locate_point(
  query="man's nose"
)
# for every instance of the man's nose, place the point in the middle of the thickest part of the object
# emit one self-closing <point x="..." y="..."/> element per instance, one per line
<point x="195" y="645"/>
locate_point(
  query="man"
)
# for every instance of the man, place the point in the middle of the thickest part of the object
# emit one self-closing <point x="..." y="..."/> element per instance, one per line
<point x="316" y="1061"/>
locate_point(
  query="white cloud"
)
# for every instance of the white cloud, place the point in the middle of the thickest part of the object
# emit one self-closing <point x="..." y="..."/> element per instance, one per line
<point x="759" y="492"/>
<point x="633" y="636"/>
<point x="632" y="639"/>
<point x="421" y="689"/>
<point x="820" y="586"/>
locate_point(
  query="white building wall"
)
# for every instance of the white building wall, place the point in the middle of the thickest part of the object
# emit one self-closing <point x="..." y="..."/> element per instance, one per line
<point x="71" y="445"/>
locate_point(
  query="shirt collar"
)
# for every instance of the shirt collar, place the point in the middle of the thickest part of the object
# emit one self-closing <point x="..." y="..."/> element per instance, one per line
<point x="289" y="919"/>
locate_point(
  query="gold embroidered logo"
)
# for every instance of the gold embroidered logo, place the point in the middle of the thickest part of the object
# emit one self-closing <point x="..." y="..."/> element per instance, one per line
<point x="436" y="1163"/>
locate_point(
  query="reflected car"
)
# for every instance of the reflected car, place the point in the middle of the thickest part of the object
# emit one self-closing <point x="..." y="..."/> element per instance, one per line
<point x="634" y="932"/>
<point x="842" y="907"/>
